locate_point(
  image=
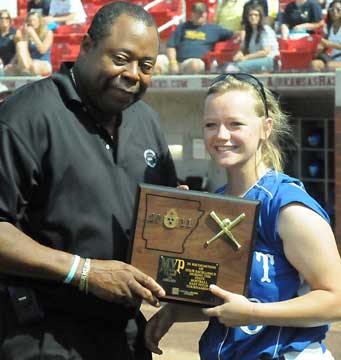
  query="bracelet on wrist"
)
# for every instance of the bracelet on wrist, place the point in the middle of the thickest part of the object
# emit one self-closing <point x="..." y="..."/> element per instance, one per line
<point x="73" y="270"/>
<point x="84" y="279"/>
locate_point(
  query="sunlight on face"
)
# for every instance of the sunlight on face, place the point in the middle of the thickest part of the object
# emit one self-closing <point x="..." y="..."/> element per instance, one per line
<point x="232" y="128"/>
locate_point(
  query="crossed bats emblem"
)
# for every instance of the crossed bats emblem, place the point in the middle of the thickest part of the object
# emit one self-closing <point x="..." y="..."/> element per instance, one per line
<point x="225" y="225"/>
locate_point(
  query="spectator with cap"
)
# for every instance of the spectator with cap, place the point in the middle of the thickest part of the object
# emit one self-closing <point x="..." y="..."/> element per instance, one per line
<point x="192" y="39"/>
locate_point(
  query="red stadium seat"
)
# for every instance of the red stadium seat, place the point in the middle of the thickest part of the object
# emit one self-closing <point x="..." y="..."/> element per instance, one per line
<point x="167" y="15"/>
<point x="224" y="51"/>
<point x="297" y="54"/>
<point x="71" y="29"/>
<point x="65" y="48"/>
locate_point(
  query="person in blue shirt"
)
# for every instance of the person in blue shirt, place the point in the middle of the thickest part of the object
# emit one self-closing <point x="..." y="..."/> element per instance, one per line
<point x="294" y="289"/>
<point x="301" y="17"/>
<point x="192" y="39"/>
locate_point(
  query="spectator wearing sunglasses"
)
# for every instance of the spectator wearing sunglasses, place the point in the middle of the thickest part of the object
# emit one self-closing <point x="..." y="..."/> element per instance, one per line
<point x="260" y="46"/>
<point x="294" y="289"/>
<point x="33" y="48"/>
<point x="300" y="18"/>
<point x="329" y="55"/>
<point x="7" y="36"/>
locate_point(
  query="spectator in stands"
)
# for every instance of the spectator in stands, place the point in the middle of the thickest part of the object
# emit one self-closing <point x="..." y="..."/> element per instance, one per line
<point x="270" y="8"/>
<point x="65" y="12"/>
<point x="301" y="17"/>
<point x="39" y="5"/>
<point x="33" y="48"/>
<point x="192" y="39"/>
<point x="260" y="46"/>
<point x="7" y="35"/>
<point x="229" y="14"/>
<point x="329" y="56"/>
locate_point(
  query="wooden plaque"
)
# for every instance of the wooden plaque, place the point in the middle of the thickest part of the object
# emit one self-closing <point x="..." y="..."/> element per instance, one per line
<point x="187" y="240"/>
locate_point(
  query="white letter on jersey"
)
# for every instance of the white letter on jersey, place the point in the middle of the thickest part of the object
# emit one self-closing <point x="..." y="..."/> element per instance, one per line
<point x="264" y="258"/>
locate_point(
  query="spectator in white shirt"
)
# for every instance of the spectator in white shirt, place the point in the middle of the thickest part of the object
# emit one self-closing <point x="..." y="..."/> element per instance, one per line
<point x="65" y="12"/>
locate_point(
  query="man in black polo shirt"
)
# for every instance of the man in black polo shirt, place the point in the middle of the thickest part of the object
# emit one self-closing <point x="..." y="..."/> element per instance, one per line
<point x="73" y="148"/>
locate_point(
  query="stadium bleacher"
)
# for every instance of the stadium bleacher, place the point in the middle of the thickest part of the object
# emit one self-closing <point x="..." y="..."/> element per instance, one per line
<point x="167" y="14"/>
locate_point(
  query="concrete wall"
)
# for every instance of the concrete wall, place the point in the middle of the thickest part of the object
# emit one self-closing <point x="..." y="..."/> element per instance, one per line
<point x="181" y="116"/>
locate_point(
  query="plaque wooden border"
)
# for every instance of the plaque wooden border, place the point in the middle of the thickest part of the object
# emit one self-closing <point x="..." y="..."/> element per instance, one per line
<point x="171" y="241"/>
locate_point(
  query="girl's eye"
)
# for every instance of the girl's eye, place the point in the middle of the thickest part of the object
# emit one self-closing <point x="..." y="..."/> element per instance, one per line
<point x="236" y="123"/>
<point x="210" y="125"/>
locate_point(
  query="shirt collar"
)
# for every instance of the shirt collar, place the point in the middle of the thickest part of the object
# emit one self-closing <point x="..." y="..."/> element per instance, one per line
<point x="64" y="82"/>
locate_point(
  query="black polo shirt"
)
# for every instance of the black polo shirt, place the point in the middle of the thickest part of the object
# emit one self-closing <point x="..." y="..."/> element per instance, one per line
<point x="64" y="183"/>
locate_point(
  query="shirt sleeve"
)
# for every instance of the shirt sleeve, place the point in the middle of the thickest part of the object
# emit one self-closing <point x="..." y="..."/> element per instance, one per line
<point x="175" y="38"/>
<point x="287" y="14"/>
<point x="52" y="10"/>
<point x="269" y="39"/>
<point x="316" y="12"/>
<point x="289" y="193"/>
<point x="18" y="175"/>
<point x="225" y="34"/>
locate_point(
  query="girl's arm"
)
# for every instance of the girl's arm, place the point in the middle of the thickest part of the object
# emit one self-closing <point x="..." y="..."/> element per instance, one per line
<point x="330" y="44"/>
<point x="309" y="245"/>
<point x="42" y="45"/>
<point x="258" y="54"/>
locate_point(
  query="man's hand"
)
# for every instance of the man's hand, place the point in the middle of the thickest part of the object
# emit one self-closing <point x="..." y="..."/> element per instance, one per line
<point x="116" y="281"/>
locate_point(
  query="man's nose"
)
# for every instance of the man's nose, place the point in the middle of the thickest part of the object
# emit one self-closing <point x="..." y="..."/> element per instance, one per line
<point x="132" y="70"/>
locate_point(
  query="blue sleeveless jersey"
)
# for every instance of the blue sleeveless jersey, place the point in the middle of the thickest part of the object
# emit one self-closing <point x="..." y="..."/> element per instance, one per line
<point x="272" y="279"/>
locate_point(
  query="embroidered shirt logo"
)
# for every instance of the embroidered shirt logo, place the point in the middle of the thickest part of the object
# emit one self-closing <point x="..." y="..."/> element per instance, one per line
<point x="150" y="158"/>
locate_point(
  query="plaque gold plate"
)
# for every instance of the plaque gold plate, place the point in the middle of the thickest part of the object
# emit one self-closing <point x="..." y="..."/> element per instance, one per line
<point x="187" y="240"/>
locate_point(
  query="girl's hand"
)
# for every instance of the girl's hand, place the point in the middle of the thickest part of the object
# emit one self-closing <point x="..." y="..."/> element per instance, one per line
<point x="236" y="310"/>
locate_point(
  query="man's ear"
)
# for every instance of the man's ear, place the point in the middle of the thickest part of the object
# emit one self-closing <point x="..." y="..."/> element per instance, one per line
<point x="86" y="44"/>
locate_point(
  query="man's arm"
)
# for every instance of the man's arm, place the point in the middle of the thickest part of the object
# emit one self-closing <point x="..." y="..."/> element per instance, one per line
<point x="173" y="64"/>
<point x="68" y="18"/>
<point x="110" y="280"/>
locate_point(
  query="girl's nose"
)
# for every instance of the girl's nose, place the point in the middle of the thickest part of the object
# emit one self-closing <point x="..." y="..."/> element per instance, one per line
<point x="223" y="132"/>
